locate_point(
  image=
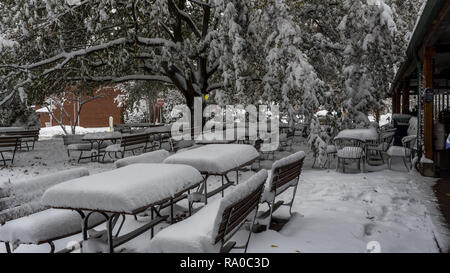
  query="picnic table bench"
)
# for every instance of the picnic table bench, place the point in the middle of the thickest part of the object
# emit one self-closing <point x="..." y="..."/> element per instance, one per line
<point x="285" y="174"/>
<point x="129" y="143"/>
<point x="9" y="144"/>
<point x="25" y="220"/>
<point x="26" y="136"/>
<point x="76" y="143"/>
<point x="126" y="191"/>
<point x="161" y="134"/>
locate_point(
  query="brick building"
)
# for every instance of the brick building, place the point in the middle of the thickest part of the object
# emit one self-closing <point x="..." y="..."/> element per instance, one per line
<point x="94" y="113"/>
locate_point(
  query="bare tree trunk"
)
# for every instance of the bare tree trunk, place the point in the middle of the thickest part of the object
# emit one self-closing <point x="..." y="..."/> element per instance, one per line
<point x="59" y="122"/>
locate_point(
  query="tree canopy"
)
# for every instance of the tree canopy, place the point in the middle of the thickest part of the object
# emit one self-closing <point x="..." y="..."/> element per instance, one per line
<point x="302" y="54"/>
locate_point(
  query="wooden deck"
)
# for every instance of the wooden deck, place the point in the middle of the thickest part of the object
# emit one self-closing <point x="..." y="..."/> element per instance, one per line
<point x="442" y="191"/>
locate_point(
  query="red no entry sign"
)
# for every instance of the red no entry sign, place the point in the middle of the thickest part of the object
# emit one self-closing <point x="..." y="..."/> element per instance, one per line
<point x="160" y="102"/>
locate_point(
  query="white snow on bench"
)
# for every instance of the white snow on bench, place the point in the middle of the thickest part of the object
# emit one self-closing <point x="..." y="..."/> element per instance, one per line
<point x="197" y="233"/>
<point x="152" y="157"/>
<point x="268" y="194"/>
<point x="123" y="190"/>
<point x="24" y="197"/>
<point x="361" y="134"/>
<point x="288" y="160"/>
<point x="215" y="158"/>
<point x="44" y="225"/>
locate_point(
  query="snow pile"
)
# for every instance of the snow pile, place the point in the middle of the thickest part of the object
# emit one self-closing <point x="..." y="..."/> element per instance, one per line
<point x="215" y="158"/>
<point x="123" y="190"/>
<point x="49" y="132"/>
<point x="152" y="157"/>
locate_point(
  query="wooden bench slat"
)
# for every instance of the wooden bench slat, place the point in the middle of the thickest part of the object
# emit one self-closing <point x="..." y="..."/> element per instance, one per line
<point x="239" y="211"/>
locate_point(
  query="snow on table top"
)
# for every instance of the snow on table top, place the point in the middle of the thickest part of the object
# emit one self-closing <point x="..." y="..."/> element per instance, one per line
<point x="215" y="158"/>
<point x="151" y="157"/>
<point x="102" y="135"/>
<point x="361" y="134"/>
<point x="123" y="190"/>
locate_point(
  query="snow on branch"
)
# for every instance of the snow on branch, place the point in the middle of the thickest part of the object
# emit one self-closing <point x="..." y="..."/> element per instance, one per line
<point x="127" y="78"/>
<point x="186" y="18"/>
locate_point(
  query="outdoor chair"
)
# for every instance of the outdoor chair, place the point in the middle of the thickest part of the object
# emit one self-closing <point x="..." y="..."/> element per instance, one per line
<point x="409" y="145"/>
<point x="387" y="128"/>
<point x="24" y="220"/>
<point x="286" y="140"/>
<point x="285" y="174"/>
<point x="406" y="152"/>
<point x="263" y="155"/>
<point x="266" y="154"/>
<point x="75" y="143"/>
<point x="380" y="147"/>
<point x="8" y="144"/>
<point x="200" y="233"/>
<point x="300" y="130"/>
<point x="331" y="152"/>
<point x="349" y="149"/>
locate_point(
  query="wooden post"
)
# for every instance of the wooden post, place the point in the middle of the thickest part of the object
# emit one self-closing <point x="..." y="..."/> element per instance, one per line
<point x="405" y="97"/>
<point x="398" y="101"/>
<point x="394" y="97"/>
<point x="428" y="70"/>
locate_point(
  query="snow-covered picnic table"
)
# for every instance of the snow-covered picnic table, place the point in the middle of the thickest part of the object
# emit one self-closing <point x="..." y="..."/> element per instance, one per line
<point x="369" y="134"/>
<point x="99" y="138"/>
<point x="126" y="191"/>
<point x="216" y="160"/>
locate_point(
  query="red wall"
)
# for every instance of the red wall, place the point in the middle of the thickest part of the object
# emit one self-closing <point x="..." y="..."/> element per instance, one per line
<point x="95" y="113"/>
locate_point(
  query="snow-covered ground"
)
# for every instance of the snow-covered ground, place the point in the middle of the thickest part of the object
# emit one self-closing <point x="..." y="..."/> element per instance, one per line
<point x="49" y="132"/>
<point x="334" y="212"/>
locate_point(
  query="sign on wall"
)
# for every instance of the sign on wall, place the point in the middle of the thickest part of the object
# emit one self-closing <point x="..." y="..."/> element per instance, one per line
<point x="428" y="96"/>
